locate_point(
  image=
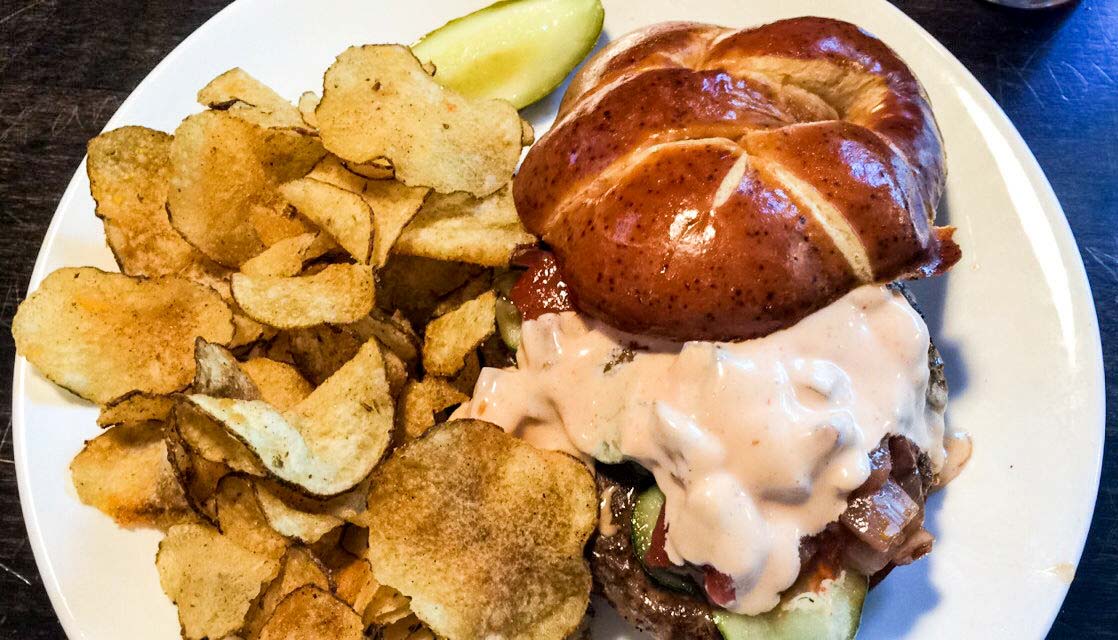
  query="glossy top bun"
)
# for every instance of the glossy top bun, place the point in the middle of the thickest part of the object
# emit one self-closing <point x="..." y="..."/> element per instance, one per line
<point x="710" y="183"/>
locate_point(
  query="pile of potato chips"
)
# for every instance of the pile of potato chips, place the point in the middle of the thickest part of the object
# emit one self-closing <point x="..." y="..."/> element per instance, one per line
<point x="304" y="292"/>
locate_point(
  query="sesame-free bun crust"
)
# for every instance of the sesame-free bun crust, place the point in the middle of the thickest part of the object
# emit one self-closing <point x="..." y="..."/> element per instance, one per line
<point x="709" y="183"/>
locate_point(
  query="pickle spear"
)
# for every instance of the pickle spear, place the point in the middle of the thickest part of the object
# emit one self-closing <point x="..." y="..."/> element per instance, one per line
<point x="518" y="50"/>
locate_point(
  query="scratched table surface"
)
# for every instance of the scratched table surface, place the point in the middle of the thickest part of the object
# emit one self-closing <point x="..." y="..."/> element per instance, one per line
<point x="65" y="67"/>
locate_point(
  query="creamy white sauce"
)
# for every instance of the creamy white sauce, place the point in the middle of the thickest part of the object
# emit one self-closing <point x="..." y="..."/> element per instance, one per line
<point x="755" y="444"/>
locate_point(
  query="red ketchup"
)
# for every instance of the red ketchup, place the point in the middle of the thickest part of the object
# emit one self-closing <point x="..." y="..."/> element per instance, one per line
<point x="541" y="288"/>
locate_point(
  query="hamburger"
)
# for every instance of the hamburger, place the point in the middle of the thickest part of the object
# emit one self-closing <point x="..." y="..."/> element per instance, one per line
<point x="714" y="320"/>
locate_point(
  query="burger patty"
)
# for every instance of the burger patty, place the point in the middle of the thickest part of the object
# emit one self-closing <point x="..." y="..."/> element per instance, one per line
<point x="669" y="615"/>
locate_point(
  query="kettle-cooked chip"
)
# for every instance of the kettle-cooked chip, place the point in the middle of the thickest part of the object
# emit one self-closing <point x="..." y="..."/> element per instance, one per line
<point x="393" y="204"/>
<point x="378" y="102"/>
<point x="125" y="473"/>
<point x="451" y="337"/>
<point x="342" y="214"/>
<point x="242" y="518"/>
<point x="422" y="399"/>
<point x="280" y="384"/>
<point x="206" y="439"/>
<point x="135" y="407"/>
<point x="310" y="613"/>
<point x="102" y="335"/>
<point x="217" y="373"/>
<point x="211" y="579"/>
<point x="484" y="532"/>
<point x="339" y="294"/>
<point x="329" y="442"/>
<point x="289" y="521"/>
<point x="285" y="258"/>
<point x="300" y="568"/>
<point x="308" y="102"/>
<point x="241" y="94"/>
<point x="129" y="173"/>
<point x="457" y="226"/>
<point x="224" y="172"/>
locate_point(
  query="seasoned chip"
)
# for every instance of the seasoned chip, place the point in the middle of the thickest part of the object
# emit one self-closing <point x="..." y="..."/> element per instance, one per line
<point x="285" y="258"/>
<point x="129" y="172"/>
<point x="395" y="370"/>
<point x="242" y="519"/>
<point x="310" y="613"/>
<point x="407" y="628"/>
<point x="356" y="584"/>
<point x="300" y="568"/>
<point x="205" y="438"/>
<point x="327" y="443"/>
<point x="317" y="351"/>
<point x="527" y="133"/>
<point x="472" y="289"/>
<point x="460" y="227"/>
<point x="338" y="294"/>
<point x="393" y="331"/>
<point x="454" y="335"/>
<point x="217" y="373"/>
<point x="393" y="204"/>
<point x="484" y="532"/>
<point x="308" y="102"/>
<point x="225" y="171"/>
<point x="278" y="222"/>
<point x="422" y="399"/>
<point x="280" y="384"/>
<point x="125" y="473"/>
<point x="135" y="407"/>
<point x="380" y="169"/>
<point x="342" y="214"/>
<point x="415" y="286"/>
<point x="197" y="476"/>
<point x="211" y="579"/>
<point x="102" y="335"/>
<point x="291" y="522"/>
<point x="466" y="378"/>
<point x="378" y="102"/>
<point x="244" y="95"/>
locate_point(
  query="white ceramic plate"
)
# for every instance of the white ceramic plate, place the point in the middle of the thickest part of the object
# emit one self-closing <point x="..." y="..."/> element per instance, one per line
<point x="1015" y="320"/>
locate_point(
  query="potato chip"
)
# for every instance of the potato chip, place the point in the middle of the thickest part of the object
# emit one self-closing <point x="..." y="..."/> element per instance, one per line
<point x="466" y="378"/>
<point x="211" y="579"/>
<point x="378" y="102"/>
<point x="342" y="214"/>
<point x="243" y="95"/>
<point x="527" y="133"/>
<point x="300" y="568"/>
<point x="285" y="258"/>
<point x="135" y="407"/>
<point x="415" y="286"/>
<point x="484" y="532"/>
<point x="395" y="371"/>
<point x="473" y="288"/>
<point x="129" y="172"/>
<point x="454" y="335"/>
<point x="393" y="204"/>
<point x="217" y="373"/>
<point x="197" y="476"/>
<point x="308" y="102"/>
<point x="393" y="331"/>
<point x="327" y="443"/>
<point x="310" y="613"/>
<point x="277" y="222"/>
<point x="225" y="171"/>
<point x="338" y="294"/>
<point x="205" y="438"/>
<point x="460" y="227"/>
<point x="422" y="399"/>
<point x="355" y="538"/>
<point x="406" y="628"/>
<point x="316" y="351"/>
<point x="379" y="169"/>
<point x="291" y="522"/>
<point x="387" y="607"/>
<point x="102" y="335"/>
<point x="280" y="384"/>
<point x="242" y="519"/>
<point x="356" y="585"/>
<point x="125" y="473"/>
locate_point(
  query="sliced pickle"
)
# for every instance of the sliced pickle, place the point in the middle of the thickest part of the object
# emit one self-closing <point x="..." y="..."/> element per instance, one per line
<point x="645" y="513"/>
<point x="833" y="613"/>
<point x="518" y="50"/>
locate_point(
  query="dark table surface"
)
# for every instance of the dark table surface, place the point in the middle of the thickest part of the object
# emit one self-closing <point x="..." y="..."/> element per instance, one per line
<point x="65" y="67"/>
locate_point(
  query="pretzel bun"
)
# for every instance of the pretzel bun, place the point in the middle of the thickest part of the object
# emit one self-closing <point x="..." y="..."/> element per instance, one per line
<point x="717" y="184"/>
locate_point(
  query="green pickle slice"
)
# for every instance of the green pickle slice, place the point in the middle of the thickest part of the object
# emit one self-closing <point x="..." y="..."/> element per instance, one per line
<point x="518" y="50"/>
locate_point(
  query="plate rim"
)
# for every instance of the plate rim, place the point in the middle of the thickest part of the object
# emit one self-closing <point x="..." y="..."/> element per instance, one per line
<point x="1053" y="213"/>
